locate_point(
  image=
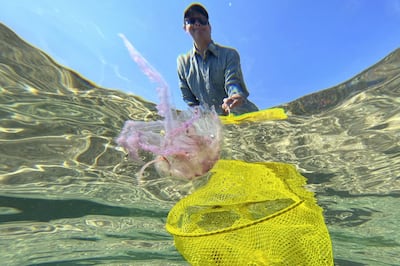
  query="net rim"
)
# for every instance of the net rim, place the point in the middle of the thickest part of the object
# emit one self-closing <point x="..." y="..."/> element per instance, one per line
<point x="176" y="232"/>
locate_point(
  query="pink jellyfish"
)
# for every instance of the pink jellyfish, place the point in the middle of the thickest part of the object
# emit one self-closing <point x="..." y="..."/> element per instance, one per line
<point x="186" y="144"/>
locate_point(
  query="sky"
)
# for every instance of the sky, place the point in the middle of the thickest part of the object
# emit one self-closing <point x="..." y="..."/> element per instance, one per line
<point x="288" y="48"/>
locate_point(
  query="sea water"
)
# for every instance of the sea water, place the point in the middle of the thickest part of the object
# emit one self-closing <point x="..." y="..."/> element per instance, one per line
<point x="68" y="194"/>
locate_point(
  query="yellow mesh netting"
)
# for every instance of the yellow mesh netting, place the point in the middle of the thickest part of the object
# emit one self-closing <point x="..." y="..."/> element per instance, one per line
<point x="263" y="115"/>
<point x="251" y="214"/>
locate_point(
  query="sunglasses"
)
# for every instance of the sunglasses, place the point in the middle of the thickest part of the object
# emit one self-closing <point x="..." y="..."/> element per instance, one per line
<point x="192" y="21"/>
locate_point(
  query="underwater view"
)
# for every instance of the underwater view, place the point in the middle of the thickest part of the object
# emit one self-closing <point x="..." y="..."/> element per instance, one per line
<point x="69" y="195"/>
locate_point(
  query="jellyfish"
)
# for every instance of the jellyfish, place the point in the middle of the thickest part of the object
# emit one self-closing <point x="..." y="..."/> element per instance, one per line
<point x="185" y="144"/>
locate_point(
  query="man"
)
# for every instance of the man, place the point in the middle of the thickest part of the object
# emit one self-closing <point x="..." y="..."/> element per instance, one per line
<point x="210" y="74"/>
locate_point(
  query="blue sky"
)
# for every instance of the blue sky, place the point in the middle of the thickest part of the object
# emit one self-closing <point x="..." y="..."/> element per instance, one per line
<point x="288" y="48"/>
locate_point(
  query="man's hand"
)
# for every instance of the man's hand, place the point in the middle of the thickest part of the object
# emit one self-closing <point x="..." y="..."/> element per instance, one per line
<point x="232" y="102"/>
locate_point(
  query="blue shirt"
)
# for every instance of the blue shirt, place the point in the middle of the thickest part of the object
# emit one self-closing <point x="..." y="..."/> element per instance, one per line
<point x="210" y="79"/>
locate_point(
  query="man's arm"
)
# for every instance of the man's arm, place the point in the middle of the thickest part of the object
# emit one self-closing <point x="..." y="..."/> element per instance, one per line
<point x="187" y="95"/>
<point x="234" y="83"/>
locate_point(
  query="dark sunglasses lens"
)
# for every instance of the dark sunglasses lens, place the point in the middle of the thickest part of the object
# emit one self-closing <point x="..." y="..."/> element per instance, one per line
<point x="192" y="21"/>
<point x="202" y="21"/>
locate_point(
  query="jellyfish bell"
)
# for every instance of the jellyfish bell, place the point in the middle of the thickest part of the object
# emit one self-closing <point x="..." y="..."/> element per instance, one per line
<point x="187" y="152"/>
<point x="199" y="149"/>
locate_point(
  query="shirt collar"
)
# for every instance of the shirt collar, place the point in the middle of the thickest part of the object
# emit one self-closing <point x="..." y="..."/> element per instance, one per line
<point x="212" y="47"/>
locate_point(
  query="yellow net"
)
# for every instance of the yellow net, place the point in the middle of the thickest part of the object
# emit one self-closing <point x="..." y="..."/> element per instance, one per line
<point x="263" y="115"/>
<point x="251" y="214"/>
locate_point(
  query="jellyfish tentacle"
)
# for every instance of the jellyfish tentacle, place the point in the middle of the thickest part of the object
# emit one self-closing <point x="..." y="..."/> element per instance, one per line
<point x="140" y="176"/>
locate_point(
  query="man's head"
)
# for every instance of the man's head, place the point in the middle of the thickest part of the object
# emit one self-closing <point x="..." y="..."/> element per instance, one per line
<point x="195" y="22"/>
<point x="195" y="9"/>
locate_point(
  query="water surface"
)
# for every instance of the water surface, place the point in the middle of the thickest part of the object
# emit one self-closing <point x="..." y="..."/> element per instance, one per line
<point x="69" y="196"/>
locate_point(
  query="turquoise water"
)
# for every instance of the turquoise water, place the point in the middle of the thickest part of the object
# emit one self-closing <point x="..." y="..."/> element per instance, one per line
<point x="68" y="196"/>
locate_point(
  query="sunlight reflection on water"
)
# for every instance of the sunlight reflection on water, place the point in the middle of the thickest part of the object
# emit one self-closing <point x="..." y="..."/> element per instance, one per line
<point x="69" y="195"/>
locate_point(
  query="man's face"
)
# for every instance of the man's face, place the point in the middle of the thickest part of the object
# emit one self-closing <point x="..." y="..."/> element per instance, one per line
<point x="198" y="27"/>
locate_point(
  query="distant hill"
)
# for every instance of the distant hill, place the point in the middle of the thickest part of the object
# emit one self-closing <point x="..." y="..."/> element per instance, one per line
<point x="374" y="76"/>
